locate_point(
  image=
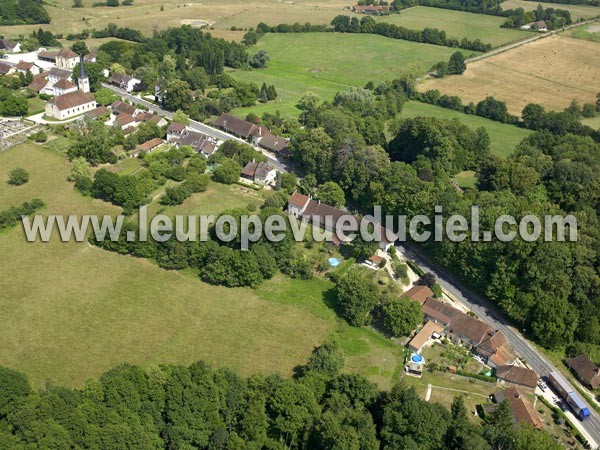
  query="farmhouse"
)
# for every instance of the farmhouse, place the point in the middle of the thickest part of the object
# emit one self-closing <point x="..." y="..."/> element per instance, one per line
<point x="69" y="105"/>
<point x="56" y="74"/>
<point x="521" y="408"/>
<point x="240" y="128"/>
<point x="439" y="312"/>
<point x="123" y="81"/>
<point x="9" y="46"/>
<point x="125" y="121"/>
<point x="66" y="59"/>
<point x="273" y="143"/>
<point x="423" y="337"/>
<point x="120" y="107"/>
<point x="96" y="113"/>
<point x="517" y="376"/>
<point x="368" y="9"/>
<point x="148" y="146"/>
<point x="24" y="67"/>
<point x="39" y="83"/>
<point x="175" y="131"/>
<point x="587" y="372"/>
<point x="149" y="117"/>
<point x="466" y="330"/>
<point x="259" y="173"/>
<point x="419" y="294"/>
<point x="179" y="135"/>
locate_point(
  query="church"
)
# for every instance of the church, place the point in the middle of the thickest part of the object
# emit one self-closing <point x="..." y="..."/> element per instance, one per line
<point x="73" y="103"/>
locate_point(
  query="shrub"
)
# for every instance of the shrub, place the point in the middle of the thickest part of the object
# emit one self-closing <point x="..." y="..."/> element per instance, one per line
<point x="18" y="176"/>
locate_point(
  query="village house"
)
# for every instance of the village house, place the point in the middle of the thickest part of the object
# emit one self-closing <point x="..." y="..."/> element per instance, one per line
<point x="24" y="67"/>
<point x="39" y="84"/>
<point x="539" y="26"/>
<point x="275" y="144"/>
<point x="179" y="135"/>
<point x="330" y="219"/>
<point x="419" y="294"/>
<point x="69" y="105"/>
<point x="98" y="113"/>
<point x="148" y="146"/>
<point x="238" y="127"/>
<point x="126" y="121"/>
<point x="9" y="46"/>
<point x="56" y="74"/>
<point x="587" y="372"/>
<point x="375" y="261"/>
<point x="174" y="132"/>
<point x="424" y="336"/>
<point x="120" y="107"/>
<point x="7" y="69"/>
<point x="259" y="173"/>
<point x="46" y="56"/>
<point x="522" y="409"/>
<point x="466" y="330"/>
<point x="124" y="82"/>
<point x="63" y="86"/>
<point x="154" y="118"/>
<point x="439" y="312"/>
<point x="519" y="376"/>
<point x="66" y="59"/>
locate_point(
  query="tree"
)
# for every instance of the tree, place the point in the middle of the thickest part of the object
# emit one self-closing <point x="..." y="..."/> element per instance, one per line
<point x="77" y="3"/>
<point x="80" y="48"/>
<point x="178" y="96"/>
<point x="402" y="316"/>
<point x="331" y="193"/>
<point x="357" y="295"/>
<point x="260" y="59"/>
<point x="456" y="65"/>
<point x="499" y="429"/>
<point x="327" y="359"/>
<point x="18" y="176"/>
<point x="288" y="182"/>
<point x="79" y="168"/>
<point x="528" y="438"/>
<point x="228" y="171"/>
<point x="105" y="96"/>
<point x="462" y="434"/>
<point x="180" y="117"/>
<point x="94" y="72"/>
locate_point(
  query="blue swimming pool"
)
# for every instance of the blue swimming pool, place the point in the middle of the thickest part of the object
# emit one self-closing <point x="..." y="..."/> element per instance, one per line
<point x="334" y="262"/>
<point x="416" y="358"/>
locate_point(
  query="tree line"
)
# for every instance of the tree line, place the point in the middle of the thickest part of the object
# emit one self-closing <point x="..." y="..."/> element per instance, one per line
<point x="19" y="12"/>
<point x="12" y="216"/>
<point x="172" y="406"/>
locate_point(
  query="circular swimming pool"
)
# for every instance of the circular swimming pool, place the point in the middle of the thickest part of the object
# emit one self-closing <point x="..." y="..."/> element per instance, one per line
<point x="416" y="358"/>
<point x="334" y="262"/>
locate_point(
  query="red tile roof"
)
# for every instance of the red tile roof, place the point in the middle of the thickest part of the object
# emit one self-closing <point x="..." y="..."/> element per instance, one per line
<point x="298" y="199"/>
<point x="521" y="408"/>
<point x="517" y="375"/>
<point x="72" y="99"/>
<point x="419" y="293"/>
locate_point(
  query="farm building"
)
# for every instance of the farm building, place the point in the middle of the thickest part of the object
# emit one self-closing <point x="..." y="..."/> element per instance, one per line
<point x="369" y="9"/>
<point x="517" y="376"/>
<point x="259" y="173"/>
<point x="6" y="69"/>
<point x="124" y="82"/>
<point x="9" y="46"/>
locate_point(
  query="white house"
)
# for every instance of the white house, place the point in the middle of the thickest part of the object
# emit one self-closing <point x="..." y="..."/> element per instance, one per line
<point x="25" y="66"/>
<point x="10" y="46"/>
<point x="63" y="86"/>
<point x="66" y="58"/>
<point x="124" y="82"/>
<point x="70" y="105"/>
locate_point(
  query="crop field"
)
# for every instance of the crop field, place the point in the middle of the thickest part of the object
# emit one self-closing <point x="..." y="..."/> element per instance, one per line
<point x="552" y="72"/>
<point x="504" y="137"/>
<point x="457" y="24"/>
<point x="577" y="11"/>
<point x="146" y="15"/>
<point x="326" y="63"/>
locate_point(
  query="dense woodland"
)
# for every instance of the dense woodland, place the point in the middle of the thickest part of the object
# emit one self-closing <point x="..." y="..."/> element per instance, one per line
<point x="175" y="407"/>
<point x="17" y="12"/>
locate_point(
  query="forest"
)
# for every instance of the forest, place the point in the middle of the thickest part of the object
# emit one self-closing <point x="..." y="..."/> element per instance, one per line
<point x="177" y="407"/>
<point x="22" y="12"/>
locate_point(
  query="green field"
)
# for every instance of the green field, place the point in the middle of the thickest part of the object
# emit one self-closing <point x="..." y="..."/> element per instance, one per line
<point x="72" y="311"/>
<point x="593" y="122"/>
<point x="326" y="63"/>
<point x="504" y="138"/>
<point x="457" y="24"/>
<point x="589" y="32"/>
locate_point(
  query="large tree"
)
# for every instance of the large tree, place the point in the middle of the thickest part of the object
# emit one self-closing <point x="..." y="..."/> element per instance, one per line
<point x="357" y="295"/>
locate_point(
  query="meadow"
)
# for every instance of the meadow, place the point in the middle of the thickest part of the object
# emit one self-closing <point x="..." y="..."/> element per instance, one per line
<point x="326" y="63"/>
<point x="551" y="72"/>
<point x="457" y="24"/>
<point x="588" y="32"/>
<point x="504" y="137"/>
<point x="72" y="311"/>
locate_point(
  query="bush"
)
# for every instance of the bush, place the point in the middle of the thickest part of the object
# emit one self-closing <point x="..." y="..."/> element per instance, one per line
<point x="40" y="136"/>
<point x="18" y="176"/>
<point x="197" y="182"/>
<point x="227" y="172"/>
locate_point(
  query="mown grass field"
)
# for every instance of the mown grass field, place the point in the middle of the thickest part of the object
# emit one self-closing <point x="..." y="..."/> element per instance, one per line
<point x="504" y="137"/>
<point x="577" y="11"/>
<point x="457" y="24"/>
<point x="551" y="72"/>
<point x="326" y="63"/>
<point x="72" y="311"/>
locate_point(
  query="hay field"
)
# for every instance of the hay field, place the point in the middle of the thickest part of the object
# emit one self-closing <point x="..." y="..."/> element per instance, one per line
<point x="577" y="11"/>
<point x="457" y="24"/>
<point x="146" y="15"/>
<point x="551" y="72"/>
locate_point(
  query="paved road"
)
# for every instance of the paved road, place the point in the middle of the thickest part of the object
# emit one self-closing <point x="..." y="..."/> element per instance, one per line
<point x="194" y="125"/>
<point x="486" y="311"/>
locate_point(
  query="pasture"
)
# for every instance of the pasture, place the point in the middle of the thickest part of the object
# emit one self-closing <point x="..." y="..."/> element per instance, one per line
<point x="551" y="72"/>
<point x="326" y="63"/>
<point x="457" y="24"/>
<point x="504" y="137"/>
<point x="577" y="11"/>
<point x="72" y="311"/>
<point x="588" y="32"/>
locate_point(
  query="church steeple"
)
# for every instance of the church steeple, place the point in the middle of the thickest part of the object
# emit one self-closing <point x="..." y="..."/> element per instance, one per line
<point x="83" y="82"/>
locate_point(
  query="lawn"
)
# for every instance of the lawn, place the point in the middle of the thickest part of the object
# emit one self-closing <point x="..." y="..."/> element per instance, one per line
<point x="457" y="24"/>
<point x="326" y="63"/>
<point x="72" y="311"/>
<point x="577" y="11"/>
<point x="35" y="105"/>
<point x="588" y="32"/>
<point x="593" y="122"/>
<point x="504" y="137"/>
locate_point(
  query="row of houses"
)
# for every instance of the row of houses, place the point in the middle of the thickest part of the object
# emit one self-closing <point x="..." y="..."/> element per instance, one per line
<point x="253" y="133"/>
<point x="178" y="135"/>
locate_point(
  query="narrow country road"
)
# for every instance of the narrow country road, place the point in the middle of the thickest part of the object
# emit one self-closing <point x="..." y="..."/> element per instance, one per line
<point x="485" y="310"/>
<point x="194" y="125"/>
